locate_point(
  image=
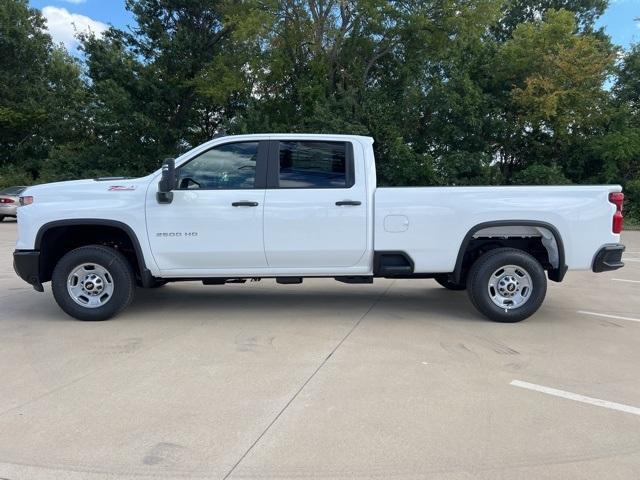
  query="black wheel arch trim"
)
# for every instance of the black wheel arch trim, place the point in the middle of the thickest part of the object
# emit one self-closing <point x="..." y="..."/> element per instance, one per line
<point x="556" y="274"/>
<point x="146" y="277"/>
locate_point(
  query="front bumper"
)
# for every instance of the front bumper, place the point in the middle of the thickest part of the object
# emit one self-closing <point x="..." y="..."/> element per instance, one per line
<point x="26" y="263"/>
<point x="608" y="258"/>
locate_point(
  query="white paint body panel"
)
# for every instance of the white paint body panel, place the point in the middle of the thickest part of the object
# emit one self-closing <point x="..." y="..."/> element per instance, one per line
<point x="304" y="228"/>
<point x="440" y="217"/>
<point x="303" y="232"/>
<point x="82" y="199"/>
<point x="213" y="234"/>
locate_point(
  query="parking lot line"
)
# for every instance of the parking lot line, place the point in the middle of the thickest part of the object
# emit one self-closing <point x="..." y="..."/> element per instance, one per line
<point x="577" y="397"/>
<point x="625" y="280"/>
<point x="605" y="315"/>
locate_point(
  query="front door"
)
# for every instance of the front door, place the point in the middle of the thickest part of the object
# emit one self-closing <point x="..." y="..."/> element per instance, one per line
<point x="316" y="205"/>
<point x="215" y="219"/>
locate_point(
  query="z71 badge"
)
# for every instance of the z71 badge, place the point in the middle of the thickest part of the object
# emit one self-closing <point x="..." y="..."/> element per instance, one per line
<point x="177" y="234"/>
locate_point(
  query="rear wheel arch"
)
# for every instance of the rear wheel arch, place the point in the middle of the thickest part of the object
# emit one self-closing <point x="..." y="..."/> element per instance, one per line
<point x="554" y="247"/>
<point x="112" y="230"/>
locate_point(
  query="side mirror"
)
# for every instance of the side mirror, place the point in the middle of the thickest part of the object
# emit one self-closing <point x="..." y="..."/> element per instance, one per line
<point x="167" y="182"/>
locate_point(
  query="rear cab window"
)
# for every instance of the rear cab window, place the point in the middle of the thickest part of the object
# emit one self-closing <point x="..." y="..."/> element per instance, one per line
<point x="314" y="164"/>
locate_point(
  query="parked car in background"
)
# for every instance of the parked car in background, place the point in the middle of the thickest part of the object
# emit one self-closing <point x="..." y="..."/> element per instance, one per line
<point x="9" y="198"/>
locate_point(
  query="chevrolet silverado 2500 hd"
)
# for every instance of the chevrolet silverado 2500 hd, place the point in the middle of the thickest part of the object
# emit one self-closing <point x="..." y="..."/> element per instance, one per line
<point x="291" y="206"/>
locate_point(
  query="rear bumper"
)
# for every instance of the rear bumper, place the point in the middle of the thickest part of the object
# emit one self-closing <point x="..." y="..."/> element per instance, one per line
<point x="608" y="258"/>
<point x="8" y="210"/>
<point x="26" y="263"/>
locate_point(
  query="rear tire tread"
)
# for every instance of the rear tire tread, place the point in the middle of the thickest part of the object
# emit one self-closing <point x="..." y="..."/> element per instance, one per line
<point x="477" y="284"/>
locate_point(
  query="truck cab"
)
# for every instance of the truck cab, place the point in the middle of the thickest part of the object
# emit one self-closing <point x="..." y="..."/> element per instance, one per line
<point x="279" y="205"/>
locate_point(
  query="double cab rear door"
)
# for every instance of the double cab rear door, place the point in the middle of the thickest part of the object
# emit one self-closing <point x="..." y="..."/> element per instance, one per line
<point x="263" y="205"/>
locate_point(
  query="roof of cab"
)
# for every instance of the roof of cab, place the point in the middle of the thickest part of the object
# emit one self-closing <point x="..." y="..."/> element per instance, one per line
<point x="307" y="136"/>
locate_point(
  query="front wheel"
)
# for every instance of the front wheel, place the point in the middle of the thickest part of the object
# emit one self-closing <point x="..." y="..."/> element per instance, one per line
<point x="93" y="283"/>
<point x="507" y="285"/>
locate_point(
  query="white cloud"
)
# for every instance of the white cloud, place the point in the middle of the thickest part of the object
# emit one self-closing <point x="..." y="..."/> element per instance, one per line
<point x="64" y="25"/>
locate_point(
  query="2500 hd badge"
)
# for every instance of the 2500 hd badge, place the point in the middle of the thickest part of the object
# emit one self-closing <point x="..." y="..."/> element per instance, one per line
<point x="176" y="234"/>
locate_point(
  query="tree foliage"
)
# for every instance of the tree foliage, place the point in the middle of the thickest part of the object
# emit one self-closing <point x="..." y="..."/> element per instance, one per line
<point x="454" y="92"/>
<point x="41" y="93"/>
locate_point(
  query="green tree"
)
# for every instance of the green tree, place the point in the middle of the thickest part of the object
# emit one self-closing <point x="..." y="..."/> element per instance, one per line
<point x="515" y="12"/>
<point x="619" y="148"/>
<point x="41" y="93"/>
<point x="174" y="81"/>
<point x="363" y="67"/>
<point x="454" y="92"/>
<point x="549" y="81"/>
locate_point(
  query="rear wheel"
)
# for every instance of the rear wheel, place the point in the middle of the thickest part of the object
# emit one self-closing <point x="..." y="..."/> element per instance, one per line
<point x="448" y="284"/>
<point x="507" y="285"/>
<point x="93" y="283"/>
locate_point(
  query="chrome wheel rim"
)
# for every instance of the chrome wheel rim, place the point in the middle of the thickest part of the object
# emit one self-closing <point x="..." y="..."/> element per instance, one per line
<point x="510" y="287"/>
<point x="90" y="285"/>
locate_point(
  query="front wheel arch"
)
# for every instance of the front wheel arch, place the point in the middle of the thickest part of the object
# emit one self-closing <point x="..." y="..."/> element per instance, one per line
<point x="55" y="239"/>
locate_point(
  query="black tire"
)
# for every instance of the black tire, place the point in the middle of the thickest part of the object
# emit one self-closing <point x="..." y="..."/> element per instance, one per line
<point x="117" y="266"/>
<point x="448" y="284"/>
<point x="1" y="218"/>
<point x="480" y="276"/>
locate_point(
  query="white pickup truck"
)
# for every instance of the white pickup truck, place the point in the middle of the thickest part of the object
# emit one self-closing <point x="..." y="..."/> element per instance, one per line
<point x="290" y="206"/>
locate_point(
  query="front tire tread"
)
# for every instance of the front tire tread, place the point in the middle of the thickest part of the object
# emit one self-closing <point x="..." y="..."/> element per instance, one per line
<point x="118" y="266"/>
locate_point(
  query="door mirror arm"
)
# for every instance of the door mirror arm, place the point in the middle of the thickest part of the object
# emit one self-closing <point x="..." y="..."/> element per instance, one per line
<point x="167" y="182"/>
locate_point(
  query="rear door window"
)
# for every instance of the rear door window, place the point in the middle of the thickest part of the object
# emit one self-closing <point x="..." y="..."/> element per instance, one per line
<point x="311" y="164"/>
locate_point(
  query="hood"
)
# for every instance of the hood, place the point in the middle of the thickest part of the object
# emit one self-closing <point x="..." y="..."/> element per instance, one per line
<point x="96" y="185"/>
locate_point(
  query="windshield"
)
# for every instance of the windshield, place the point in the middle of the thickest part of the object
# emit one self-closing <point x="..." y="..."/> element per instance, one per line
<point x="13" y="190"/>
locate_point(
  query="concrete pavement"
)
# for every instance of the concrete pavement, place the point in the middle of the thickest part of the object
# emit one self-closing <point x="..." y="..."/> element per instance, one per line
<point x="400" y="379"/>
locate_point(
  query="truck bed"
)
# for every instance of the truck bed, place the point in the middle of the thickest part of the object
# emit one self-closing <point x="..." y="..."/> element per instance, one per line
<point x="430" y="223"/>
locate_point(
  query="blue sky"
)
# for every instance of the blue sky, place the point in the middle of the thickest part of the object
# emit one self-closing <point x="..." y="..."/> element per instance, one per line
<point x="619" y="22"/>
<point x="66" y="16"/>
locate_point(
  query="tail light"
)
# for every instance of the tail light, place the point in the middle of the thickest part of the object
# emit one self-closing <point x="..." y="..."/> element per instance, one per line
<point x="617" y="198"/>
<point x="7" y="200"/>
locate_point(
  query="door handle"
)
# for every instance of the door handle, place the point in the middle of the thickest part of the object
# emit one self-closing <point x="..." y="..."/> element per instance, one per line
<point x="345" y="203"/>
<point x="244" y="204"/>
